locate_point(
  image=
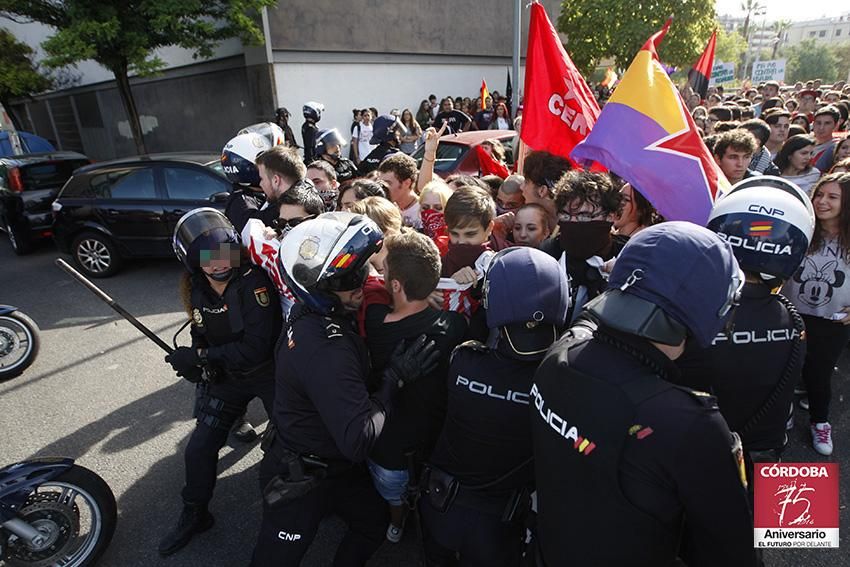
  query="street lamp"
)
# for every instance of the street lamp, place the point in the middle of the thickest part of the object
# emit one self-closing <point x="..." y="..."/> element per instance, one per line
<point x="760" y="11"/>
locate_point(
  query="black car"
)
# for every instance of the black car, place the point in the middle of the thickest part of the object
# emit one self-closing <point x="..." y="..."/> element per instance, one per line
<point x="129" y="207"/>
<point x="28" y="185"/>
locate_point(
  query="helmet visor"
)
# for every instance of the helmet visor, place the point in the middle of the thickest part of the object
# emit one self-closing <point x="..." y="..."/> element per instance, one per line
<point x="204" y="229"/>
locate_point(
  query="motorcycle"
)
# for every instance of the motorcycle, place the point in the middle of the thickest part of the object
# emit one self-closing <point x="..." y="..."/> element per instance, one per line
<point x="19" y="340"/>
<point x="54" y="513"/>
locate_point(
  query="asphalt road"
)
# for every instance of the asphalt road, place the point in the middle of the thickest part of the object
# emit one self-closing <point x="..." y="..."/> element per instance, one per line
<point x="100" y="392"/>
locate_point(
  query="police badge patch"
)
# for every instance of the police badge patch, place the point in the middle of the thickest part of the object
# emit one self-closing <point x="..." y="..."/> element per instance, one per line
<point x="261" y="294"/>
<point x="197" y="317"/>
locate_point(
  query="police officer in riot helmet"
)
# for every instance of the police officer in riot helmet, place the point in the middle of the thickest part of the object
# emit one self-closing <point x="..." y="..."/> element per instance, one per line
<point x="312" y="112"/>
<point x="282" y="119"/>
<point x="485" y="447"/>
<point x="632" y="469"/>
<point x="329" y="148"/>
<point x="261" y="169"/>
<point x="236" y="320"/>
<point x="769" y="223"/>
<point x="324" y="421"/>
<point x="386" y="132"/>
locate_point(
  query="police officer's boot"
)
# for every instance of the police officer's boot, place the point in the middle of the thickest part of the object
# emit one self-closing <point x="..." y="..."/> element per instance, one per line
<point x="243" y="431"/>
<point x="193" y="520"/>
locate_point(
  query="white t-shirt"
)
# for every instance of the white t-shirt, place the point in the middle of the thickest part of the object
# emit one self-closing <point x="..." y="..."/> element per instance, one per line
<point x="821" y="286"/>
<point x="411" y="217"/>
<point x="365" y="134"/>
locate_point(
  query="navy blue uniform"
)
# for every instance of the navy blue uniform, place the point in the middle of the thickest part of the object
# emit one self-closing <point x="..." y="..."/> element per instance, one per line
<point x="486" y="441"/>
<point x="632" y="470"/>
<point x="323" y="410"/>
<point x="376" y="156"/>
<point x="243" y="206"/>
<point x="239" y="330"/>
<point x="744" y="370"/>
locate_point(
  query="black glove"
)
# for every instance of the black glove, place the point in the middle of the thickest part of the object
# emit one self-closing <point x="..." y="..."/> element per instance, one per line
<point x="193" y="374"/>
<point x="412" y="363"/>
<point x="183" y="360"/>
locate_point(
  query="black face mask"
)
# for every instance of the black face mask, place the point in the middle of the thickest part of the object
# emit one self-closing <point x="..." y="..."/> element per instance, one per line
<point x="581" y="240"/>
<point x="221" y="276"/>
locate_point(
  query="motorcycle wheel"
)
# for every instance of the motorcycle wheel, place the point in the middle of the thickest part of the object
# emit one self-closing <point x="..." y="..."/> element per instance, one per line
<point x="76" y="512"/>
<point x="19" y="342"/>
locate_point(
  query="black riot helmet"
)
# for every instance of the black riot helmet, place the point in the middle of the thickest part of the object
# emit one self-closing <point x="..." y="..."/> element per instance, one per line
<point x="201" y="232"/>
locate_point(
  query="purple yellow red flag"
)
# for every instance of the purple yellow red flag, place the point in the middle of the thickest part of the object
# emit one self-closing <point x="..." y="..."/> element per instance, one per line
<point x="646" y="136"/>
<point x="484" y="94"/>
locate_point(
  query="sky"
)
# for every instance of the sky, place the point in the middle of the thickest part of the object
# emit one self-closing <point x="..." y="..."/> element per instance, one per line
<point x="788" y="9"/>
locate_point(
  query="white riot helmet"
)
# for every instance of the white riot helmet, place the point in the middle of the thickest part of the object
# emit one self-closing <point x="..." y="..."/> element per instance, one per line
<point x="769" y="222"/>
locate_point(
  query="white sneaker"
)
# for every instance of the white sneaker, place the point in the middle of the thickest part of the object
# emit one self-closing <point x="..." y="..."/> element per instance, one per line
<point x="822" y="438"/>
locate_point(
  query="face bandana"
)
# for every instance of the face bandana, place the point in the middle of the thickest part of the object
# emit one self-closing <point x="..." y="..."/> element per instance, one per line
<point x="461" y="255"/>
<point x="432" y="221"/>
<point x="581" y="240"/>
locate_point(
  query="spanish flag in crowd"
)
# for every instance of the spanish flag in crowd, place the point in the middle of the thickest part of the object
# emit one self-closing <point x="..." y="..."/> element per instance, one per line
<point x="646" y="136"/>
<point x="484" y="94"/>
<point x="700" y="74"/>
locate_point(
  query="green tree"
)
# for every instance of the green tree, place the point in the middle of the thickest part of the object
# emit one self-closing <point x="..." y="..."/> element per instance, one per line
<point x="619" y="28"/>
<point x="730" y="47"/>
<point x="19" y="76"/>
<point x="810" y="60"/>
<point x="750" y="7"/>
<point x="122" y="36"/>
<point x="842" y="56"/>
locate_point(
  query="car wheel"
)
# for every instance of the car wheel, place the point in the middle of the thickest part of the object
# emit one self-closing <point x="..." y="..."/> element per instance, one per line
<point x="95" y="255"/>
<point x="20" y="242"/>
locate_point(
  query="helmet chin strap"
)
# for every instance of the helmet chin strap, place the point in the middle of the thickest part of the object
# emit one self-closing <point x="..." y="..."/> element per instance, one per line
<point x="221" y="277"/>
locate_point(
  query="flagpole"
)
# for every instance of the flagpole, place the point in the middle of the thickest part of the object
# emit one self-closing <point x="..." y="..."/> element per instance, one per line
<point x="517" y="40"/>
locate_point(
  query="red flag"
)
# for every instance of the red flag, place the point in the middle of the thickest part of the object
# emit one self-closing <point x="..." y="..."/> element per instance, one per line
<point x="700" y="74"/>
<point x="488" y="165"/>
<point x="558" y="107"/>
<point x="485" y="94"/>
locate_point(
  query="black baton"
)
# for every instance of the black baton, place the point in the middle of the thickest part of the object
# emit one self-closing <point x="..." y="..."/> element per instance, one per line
<point x="113" y="304"/>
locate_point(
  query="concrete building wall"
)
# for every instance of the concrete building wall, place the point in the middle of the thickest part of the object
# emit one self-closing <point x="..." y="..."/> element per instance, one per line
<point x="440" y="27"/>
<point x="342" y="86"/>
<point x="825" y="30"/>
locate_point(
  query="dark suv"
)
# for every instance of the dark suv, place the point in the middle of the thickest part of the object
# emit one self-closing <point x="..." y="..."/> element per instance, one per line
<point x="28" y="184"/>
<point x="129" y="207"/>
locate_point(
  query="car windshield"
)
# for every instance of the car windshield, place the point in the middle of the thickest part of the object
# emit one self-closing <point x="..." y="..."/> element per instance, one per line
<point x="447" y="155"/>
<point x="216" y="166"/>
<point x="49" y="175"/>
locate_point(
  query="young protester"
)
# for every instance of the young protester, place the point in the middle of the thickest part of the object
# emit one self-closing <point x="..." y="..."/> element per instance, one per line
<point x="411" y="274"/>
<point x="820" y="290"/>
<point x="357" y="190"/>
<point x="793" y="160"/>
<point x="531" y="226"/>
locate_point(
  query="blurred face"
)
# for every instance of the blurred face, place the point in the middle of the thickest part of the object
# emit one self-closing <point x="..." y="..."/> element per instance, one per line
<point x="807" y="103"/>
<point x="694" y="101"/>
<point x="472" y="233"/>
<point x="489" y="103"/>
<point x="734" y="164"/>
<point x="843" y="151"/>
<point x="320" y="180"/>
<point x="827" y="202"/>
<point x="581" y="211"/>
<point x="447" y="105"/>
<point x="779" y="131"/>
<point x="710" y="122"/>
<point x="799" y="160"/>
<point x="487" y="148"/>
<point x="431" y="201"/>
<point x="291" y="216"/>
<point x="823" y="127"/>
<point x="406" y="117"/>
<point x="801" y="121"/>
<point x="509" y="202"/>
<point x="220" y="261"/>
<point x="790" y="106"/>
<point x="530" y="228"/>
<point x="770" y="91"/>
<point x="366" y="116"/>
<point x="347" y="199"/>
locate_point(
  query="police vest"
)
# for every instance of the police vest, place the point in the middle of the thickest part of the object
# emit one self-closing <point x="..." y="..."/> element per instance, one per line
<point x="580" y="425"/>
